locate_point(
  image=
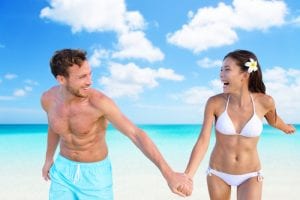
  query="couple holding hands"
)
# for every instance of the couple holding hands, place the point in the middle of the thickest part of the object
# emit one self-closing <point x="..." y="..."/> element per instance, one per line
<point x="78" y="116"/>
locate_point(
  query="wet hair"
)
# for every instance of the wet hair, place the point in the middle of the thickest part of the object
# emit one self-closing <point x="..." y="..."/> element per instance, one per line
<point x="256" y="83"/>
<point x="63" y="59"/>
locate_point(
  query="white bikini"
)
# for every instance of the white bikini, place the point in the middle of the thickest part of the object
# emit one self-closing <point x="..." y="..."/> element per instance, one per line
<point x="253" y="128"/>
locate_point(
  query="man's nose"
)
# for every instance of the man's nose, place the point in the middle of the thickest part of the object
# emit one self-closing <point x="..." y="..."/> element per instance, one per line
<point x="89" y="81"/>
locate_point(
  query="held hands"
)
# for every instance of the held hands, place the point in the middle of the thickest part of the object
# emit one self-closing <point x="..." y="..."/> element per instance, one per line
<point x="290" y="129"/>
<point x="45" y="170"/>
<point x="180" y="184"/>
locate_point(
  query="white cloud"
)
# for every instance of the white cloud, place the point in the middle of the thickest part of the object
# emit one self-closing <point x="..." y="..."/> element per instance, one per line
<point x="28" y="88"/>
<point x="106" y="15"/>
<point x="98" y="54"/>
<point x="208" y="63"/>
<point x="19" y="93"/>
<point x="266" y="14"/>
<point x="130" y="79"/>
<point x="88" y="15"/>
<point x="284" y="86"/>
<point x="10" y="76"/>
<point x="135" y="20"/>
<point x="168" y="74"/>
<point x="216" y="26"/>
<point x="198" y="95"/>
<point x="296" y="21"/>
<point x="135" y="45"/>
<point x="276" y="75"/>
<point x="31" y="82"/>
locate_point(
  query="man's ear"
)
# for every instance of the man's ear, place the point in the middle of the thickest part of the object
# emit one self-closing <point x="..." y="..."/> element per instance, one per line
<point x="61" y="79"/>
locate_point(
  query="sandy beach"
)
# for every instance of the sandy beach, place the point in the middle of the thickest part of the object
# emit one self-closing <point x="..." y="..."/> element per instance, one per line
<point x="135" y="177"/>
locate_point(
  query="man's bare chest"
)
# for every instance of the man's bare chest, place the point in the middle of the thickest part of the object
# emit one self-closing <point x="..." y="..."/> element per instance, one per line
<point x="78" y="120"/>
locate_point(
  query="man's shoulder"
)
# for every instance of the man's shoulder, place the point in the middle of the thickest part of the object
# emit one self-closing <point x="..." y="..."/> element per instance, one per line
<point x="47" y="97"/>
<point x="98" y="98"/>
<point x="49" y="93"/>
<point x="96" y="94"/>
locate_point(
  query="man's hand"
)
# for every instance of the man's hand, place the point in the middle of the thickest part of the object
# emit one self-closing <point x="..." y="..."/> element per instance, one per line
<point x="180" y="184"/>
<point x="45" y="170"/>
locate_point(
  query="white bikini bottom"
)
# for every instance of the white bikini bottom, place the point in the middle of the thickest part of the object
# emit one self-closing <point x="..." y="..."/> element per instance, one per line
<point x="234" y="180"/>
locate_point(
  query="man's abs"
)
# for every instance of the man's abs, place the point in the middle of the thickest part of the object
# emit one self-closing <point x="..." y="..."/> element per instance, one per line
<point x="90" y="148"/>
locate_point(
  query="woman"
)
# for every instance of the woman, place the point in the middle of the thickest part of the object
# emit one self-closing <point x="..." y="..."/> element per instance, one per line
<point x="237" y="114"/>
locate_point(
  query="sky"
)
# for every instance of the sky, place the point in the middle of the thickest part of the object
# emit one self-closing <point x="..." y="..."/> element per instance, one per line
<point x="158" y="60"/>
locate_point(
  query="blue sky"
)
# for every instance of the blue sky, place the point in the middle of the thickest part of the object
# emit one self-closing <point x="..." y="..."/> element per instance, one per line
<point x="159" y="60"/>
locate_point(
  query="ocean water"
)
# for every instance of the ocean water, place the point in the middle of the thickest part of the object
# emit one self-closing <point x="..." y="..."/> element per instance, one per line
<point x="22" y="150"/>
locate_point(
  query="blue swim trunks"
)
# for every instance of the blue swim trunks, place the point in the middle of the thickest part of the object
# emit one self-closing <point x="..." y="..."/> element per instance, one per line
<point x="80" y="181"/>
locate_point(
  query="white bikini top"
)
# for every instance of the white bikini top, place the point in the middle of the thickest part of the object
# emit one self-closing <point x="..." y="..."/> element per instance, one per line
<point x="253" y="127"/>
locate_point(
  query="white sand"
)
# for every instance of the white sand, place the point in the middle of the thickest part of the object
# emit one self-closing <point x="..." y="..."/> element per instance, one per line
<point x="136" y="178"/>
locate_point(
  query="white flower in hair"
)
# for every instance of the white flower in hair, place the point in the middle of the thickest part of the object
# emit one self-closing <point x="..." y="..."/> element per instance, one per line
<point x="252" y="65"/>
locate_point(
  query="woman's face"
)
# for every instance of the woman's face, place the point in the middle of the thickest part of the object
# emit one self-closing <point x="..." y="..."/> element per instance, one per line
<point x="232" y="77"/>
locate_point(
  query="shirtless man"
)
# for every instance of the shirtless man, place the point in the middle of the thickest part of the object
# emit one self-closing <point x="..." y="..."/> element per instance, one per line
<point x="78" y="116"/>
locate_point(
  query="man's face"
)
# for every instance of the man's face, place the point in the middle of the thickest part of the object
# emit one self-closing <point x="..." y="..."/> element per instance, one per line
<point x="79" y="81"/>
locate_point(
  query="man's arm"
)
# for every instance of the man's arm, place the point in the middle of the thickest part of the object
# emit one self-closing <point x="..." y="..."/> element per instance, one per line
<point x="52" y="138"/>
<point x="145" y="144"/>
<point x="52" y="142"/>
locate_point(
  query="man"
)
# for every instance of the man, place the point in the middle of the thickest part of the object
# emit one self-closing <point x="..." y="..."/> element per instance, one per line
<point x="78" y="116"/>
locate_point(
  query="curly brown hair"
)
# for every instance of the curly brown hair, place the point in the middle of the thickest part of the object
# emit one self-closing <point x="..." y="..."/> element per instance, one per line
<point x="65" y="58"/>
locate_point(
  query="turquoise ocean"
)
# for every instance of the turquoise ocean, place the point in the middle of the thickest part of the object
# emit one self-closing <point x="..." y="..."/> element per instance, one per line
<point x="22" y="150"/>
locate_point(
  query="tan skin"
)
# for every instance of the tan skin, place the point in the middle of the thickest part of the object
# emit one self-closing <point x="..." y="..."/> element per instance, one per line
<point x="78" y="116"/>
<point x="234" y="154"/>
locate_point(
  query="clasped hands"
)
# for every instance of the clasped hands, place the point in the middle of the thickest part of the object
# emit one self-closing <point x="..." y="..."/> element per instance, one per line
<point x="181" y="184"/>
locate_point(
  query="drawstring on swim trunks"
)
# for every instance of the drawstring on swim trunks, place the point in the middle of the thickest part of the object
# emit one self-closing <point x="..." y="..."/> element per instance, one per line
<point x="77" y="174"/>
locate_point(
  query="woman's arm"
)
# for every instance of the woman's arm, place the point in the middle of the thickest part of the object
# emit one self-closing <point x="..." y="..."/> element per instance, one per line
<point x="202" y="143"/>
<point x="275" y="120"/>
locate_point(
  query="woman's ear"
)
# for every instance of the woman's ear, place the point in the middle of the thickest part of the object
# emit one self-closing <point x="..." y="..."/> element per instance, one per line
<point x="245" y="76"/>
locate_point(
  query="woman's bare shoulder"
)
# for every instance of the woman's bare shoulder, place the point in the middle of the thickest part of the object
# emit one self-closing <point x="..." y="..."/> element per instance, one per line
<point x="218" y="98"/>
<point x="265" y="100"/>
<point x="217" y="101"/>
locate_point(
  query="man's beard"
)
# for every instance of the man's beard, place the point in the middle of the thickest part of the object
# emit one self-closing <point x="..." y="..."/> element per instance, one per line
<point x="75" y="92"/>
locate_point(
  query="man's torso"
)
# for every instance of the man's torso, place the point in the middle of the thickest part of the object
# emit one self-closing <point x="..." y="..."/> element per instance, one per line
<point x="81" y="127"/>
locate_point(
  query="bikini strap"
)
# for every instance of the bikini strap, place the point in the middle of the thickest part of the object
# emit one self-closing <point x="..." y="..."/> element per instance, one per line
<point x="260" y="177"/>
<point x="227" y="102"/>
<point x="253" y="105"/>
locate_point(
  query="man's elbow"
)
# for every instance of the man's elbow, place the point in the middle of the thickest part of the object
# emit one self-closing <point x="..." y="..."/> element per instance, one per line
<point x="136" y="135"/>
